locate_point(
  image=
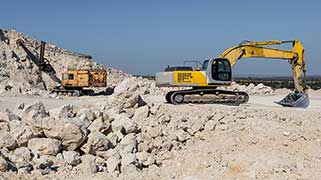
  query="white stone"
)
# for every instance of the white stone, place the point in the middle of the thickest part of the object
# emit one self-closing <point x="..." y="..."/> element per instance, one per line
<point x="113" y="164"/>
<point x="3" y="165"/>
<point x="141" y="113"/>
<point x="21" y="157"/>
<point x="70" y="134"/>
<point x="44" y="146"/>
<point x="210" y="125"/>
<point x="7" y="141"/>
<point x="96" y="142"/>
<point x="71" y="157"/>
<point x="88" y="165"/>
<point x="22" y="133"/>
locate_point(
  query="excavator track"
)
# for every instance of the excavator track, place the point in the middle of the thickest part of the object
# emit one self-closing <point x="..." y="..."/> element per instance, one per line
<point x="207" y="96"/>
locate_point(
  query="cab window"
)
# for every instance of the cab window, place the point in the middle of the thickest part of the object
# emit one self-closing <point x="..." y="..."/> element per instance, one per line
<point x="221" y="70"/>
<point x="64" y="76"/>
<point x="205" y="64"/>
<point x="70" y="76"/>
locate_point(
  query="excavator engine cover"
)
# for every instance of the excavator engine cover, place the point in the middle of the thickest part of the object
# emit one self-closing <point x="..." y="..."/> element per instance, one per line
<point x="300" y="100"/>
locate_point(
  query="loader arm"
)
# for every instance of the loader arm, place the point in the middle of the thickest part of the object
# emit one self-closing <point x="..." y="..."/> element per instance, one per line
<point x="258" y="50"/>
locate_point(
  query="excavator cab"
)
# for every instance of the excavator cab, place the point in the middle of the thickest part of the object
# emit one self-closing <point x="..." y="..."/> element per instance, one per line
<point x="218" y="71"/>
<point x="221" y="70"/>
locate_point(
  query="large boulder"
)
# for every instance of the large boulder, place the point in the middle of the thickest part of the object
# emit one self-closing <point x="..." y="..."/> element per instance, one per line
<point x="7" y="141"/>
<point x="128" y="159"/>
<point x="21" y="157"/>
<point x="101" y="124"/>
<point x="66" y="111"/>
<point x="181" y="135"/>
<point x="69" y="133"/>
<point x="113" y="163"/>
<point x="81" y="121"/>
<point x="33" y="115"/>
<point x="44" y="146"/>
<point x="127" y="85"/>
<point x="121" y="122"/>
<point x="132" y="101"/>
<point x="88" y="165"/>
<point x="88" y="114"/>
<point x="128" y="144"/>
<point x="96" y="142"/>
<point x="113" y="138"/>
<point x="22" y="133"/>
<point x="144" y="158"/>
<point x="141" y="113"/>
<point x="71" y="157"/>
<point x="44" y="163"/>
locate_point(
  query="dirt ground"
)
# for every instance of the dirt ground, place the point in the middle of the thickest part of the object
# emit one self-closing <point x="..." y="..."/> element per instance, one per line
<point x="256" y="101"/>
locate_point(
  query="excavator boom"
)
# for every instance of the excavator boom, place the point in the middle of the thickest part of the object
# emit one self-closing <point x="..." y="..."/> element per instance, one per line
<point x="258" y="50"/>
<point x="40" y="61"/>
<point x="250" y="49"/>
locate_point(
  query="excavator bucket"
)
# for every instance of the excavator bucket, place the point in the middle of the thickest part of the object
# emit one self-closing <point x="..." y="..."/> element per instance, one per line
<point x="300" y="100"/>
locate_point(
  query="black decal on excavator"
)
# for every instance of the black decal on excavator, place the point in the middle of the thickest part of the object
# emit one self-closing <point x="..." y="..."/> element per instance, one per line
<point x="184" y="77"/>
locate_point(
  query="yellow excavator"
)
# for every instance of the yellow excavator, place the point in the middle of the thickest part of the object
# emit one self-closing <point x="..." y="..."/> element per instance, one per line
<point x="217" y="72"/>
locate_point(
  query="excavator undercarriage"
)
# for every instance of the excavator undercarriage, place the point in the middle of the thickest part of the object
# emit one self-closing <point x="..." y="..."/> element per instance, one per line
<point x="208" y="96"/>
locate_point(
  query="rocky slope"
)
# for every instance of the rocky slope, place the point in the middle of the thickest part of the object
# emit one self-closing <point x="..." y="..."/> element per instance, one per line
<point x="18" y="74"/>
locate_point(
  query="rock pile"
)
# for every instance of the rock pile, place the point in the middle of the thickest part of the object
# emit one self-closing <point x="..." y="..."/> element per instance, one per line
<point x="124" y="134"/>
<point x="133" y="137"/>
<point x="251" y="88"/>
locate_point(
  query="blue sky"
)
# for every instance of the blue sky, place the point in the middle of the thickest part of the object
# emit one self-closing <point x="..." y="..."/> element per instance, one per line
<point x="144" y="36"/>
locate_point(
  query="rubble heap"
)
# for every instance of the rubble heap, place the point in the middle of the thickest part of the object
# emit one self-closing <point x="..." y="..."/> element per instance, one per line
<point x="125" y="136"/>
<point x="251" y="88"/>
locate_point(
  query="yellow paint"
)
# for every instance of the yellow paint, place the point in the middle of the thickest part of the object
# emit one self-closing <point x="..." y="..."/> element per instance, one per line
<point x="257" y="50"/>
<point x="190" y="77"/>
<point x="85" y="78"/>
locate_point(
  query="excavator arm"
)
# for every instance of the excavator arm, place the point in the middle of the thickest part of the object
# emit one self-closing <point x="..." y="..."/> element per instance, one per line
<point x="43" y="65"/>
<point x="250" y="49"/>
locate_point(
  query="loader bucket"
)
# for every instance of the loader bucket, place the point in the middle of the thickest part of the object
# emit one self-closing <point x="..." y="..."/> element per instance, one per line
<point x="300" y="100"/>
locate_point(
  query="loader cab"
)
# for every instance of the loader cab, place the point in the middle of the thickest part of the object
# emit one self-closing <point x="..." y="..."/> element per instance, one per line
<point x="219" y="71"/>
<point x="69" y="79"/>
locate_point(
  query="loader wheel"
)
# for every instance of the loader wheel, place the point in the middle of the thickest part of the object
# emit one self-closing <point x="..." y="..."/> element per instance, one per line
<point x="76" y="93"/>
<point x="91" y="93"/>
<point x="177" y="98"/>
